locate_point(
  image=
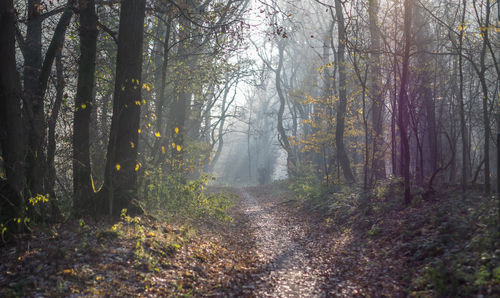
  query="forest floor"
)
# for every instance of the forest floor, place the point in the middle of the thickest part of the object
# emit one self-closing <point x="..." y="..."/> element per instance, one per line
<point x="275" y="246"/>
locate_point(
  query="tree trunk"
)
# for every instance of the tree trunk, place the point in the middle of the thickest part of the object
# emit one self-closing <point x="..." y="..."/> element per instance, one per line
<point x="319" y="159"/>
<point x="290" y="160"/>
<point x="403" y="112"/>
<point x="120" y="184"/>
<point x="161" y="63"/>
<point x="12" y="138"/>
<point x="33" y="105"/>
<point x="51" y="140"/>
<point x="484" y="87"/>
<point x="36" y="76"/>
<point x="82" y="183"/>
<point x="498" y="126"/>
<point x="486" y="120"/>
<point x="429" y="139"/>
<point x="461" y="107"/>
<point x="220" y="135"/>
<point x="342" y="106"/>
<point x="182" y="95"/>
<point x="376" y="92"/>
<point x="161" y="99"/>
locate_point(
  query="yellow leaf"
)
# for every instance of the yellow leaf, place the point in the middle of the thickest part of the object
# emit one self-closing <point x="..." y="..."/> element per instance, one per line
<point x="157" y="134"/>
<point x="137" y="166"/>
<point x="149" y="124"/>
<point x="139" y="130"/>
<point x="84" y="106"/>
<point x="143" y="101"/>
<point x="132" y="145"/>
<point x="146" y="173"/>
<point x="118" y="166"/>
<point x="179" y="148"/>
<point x="163" y="150"/>
<point x="138" y="102"/>
<point x="173" y="145"/>
<point x="176" y="130"/>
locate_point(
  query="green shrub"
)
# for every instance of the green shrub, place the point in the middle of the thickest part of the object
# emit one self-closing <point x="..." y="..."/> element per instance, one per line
<point x="172" y="194"/>
<point x="305" y="185"/>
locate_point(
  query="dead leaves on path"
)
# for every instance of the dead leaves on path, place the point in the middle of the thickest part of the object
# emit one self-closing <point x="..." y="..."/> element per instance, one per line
<point x="140" y="257"/>
<point x="348" y="263"/>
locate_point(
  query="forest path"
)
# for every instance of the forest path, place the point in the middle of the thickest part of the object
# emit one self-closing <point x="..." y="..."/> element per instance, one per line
<point x="291" y="252"/>
<point x="274" y="247"/>
<point x="288" y="270"/>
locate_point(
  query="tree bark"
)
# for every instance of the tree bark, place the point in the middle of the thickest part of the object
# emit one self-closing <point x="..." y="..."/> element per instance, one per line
<point x="429" y="139"/>
<point x="162" y="97"/>
<point x="120" y="184"/>
<point x="486" y="121"/>
<point x="342" y="106"/>
<point x="378" y="166"/>
<point x="291" y="160"/>
<point x="220" y="134"/>
<point x="36" y="76"/>
<point x="403" y="112"/>
<point x="182" y="95"/>
<point x="498" y="125"/>
<point x="484" y="88"/>
<point x="33" y="105"/>
<point x="12" y="138"/>
<point x="319" y="159"/>
<point x="82" y="183"/>
<point x="461" y="107"/>
<point x="51" y="139"/>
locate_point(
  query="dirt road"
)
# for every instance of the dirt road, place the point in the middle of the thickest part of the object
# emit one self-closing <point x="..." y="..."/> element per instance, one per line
<point x="298" y="255"/>
<point x="289" y="271"/>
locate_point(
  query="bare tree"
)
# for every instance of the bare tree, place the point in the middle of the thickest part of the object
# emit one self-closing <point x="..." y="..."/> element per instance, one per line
<point x="403" y="112"/>
<point x="342" y="106"/>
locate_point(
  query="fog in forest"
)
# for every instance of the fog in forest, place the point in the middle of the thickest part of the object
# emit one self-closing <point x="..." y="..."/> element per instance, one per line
<point x="250" y="148"/>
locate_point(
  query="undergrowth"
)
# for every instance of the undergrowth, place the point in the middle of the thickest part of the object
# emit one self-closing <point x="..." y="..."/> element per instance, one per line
<point x="175" y="197"/>
<point x="449" y="242"/>
<point x="98" y="259"/>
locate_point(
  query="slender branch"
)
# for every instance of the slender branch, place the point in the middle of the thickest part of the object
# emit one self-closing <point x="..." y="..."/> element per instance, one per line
<point x="108" y="30"/>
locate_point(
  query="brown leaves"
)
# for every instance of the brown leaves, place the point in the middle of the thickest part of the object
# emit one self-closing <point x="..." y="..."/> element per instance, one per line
<point x="272" y="243"/>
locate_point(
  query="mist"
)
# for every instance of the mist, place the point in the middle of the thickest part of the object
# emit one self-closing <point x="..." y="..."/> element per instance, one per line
<point x="250" y="148"/>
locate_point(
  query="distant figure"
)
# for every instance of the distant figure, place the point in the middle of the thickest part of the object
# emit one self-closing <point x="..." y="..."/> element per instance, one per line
<point x="263" y="175"/>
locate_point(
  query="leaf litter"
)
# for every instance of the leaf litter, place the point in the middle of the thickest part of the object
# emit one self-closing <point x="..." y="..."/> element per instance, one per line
<point x="271" y="249"/>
